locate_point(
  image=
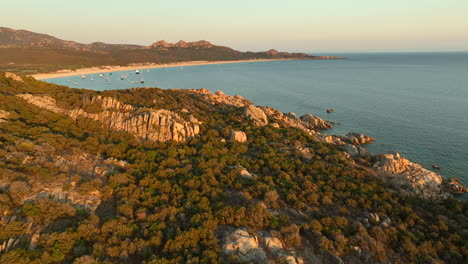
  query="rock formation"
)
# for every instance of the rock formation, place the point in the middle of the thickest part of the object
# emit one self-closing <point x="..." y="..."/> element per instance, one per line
<point x="357" y="138"/>
<point x="262" y="247"/>
<point x="244" y="246"/>
<point x="315" y="123"/>
<point x="4" y="115"/>
<point x="162" y="44"/>
<point x="238" y="136"/>
<point x="454" y="186"/>
<point x="423" y="182"/>
<point x="13" y="76"/>
<point x="256" y="115"/>
<point x="145" y="123"/>
<point x="355" y="150"/>
<point x="220" y="98"/>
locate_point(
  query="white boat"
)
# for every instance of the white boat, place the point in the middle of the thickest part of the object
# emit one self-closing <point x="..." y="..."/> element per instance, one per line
<point x="137" y="71"/>
<point x="75" y="83"/>
<point x="68" y="80"/>
<point x="101" y="75"/>
<point x="83" y="76"/>
<point x="142" y="80"/>
<point x="123" y="76"/>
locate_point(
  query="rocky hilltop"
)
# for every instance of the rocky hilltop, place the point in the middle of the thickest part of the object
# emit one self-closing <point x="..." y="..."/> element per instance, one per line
<point x="144" y="123"/>
<point x="189" y="176"/>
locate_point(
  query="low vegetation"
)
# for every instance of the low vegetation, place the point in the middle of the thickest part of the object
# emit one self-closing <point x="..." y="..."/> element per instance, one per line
<point x="168" y="203"/>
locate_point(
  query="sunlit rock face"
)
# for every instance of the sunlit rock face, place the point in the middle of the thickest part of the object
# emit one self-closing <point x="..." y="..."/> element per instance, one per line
<point x="144" y="123"/>
<point x="256" y="115"/>
<point x="423" y="182"/>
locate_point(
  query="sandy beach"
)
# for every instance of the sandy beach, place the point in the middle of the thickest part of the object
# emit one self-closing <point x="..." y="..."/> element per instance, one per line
<point x="104" y="69"/>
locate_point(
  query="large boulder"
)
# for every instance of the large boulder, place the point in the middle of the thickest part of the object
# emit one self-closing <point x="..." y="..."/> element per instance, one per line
<point x="315" y="123"/>
<point x="238" y="136"/>
<point x="256" y="115"/>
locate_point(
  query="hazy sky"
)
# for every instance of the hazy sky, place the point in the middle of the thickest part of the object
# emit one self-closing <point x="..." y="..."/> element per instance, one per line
<point x="293" y="25"/>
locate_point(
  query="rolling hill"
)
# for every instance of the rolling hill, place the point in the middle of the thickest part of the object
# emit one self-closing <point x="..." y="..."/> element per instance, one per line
<point x="28" y="52"/>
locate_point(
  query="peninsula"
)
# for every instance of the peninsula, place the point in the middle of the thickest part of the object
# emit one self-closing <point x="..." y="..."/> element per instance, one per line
<point x="27" y="52"/>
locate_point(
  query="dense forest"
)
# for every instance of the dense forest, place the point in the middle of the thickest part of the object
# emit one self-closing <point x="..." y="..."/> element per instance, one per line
<point x="74" y="191"/>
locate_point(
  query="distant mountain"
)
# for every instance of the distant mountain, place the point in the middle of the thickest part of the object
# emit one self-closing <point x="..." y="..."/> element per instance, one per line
<point x="29" y="52"/>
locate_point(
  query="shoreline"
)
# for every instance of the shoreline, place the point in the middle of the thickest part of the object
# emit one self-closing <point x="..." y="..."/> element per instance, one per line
<point x="140" y="66"/>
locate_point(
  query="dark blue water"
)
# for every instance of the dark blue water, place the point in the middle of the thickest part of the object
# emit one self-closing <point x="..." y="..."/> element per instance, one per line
<point x="414" y="103"/>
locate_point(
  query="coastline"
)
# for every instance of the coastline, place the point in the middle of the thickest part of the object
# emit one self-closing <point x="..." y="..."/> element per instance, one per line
<point x="140" y="66"/>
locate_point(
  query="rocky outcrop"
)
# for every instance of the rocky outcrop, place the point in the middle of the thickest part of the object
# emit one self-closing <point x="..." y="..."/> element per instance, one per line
<point x="357" y="138"/>
<point x="145" y="123"/>
<point x="238" y="136"/>
<point x="423" y="182"/>
<point x="256" y="115"/>
<point x="355" y="150"/>
<point x="162" y="44"/>
<point x="244" y="247"/>
<point x="315" y="123"/>
<point x="45" y="102"/>
<point x="4" y="115"/>
<point x="291" y="120"/>
<point x="13" y="76"/>
<point x="454" y="186"/>
<point x="220" y="98"/>
<point x="272" y="52"/>
<point x="261" y="247"/>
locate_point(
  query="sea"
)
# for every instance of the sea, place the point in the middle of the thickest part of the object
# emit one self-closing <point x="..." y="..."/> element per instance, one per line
<point x="412" y="103"/>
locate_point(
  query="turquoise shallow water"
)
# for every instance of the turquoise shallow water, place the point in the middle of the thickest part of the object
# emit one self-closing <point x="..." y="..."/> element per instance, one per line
<point x="414" y="103"/>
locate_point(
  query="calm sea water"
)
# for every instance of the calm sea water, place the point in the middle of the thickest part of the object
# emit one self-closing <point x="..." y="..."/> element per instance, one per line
<point x="413" y="103"/>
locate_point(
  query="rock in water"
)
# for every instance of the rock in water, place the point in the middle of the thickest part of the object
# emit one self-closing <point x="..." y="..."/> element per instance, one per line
<point x="256" y="114"/>
<point x="315" y="123"/>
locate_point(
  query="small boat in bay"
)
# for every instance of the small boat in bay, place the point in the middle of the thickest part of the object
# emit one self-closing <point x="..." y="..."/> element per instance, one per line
<point x="137" y="71"/>
<point x="83" y="76"/>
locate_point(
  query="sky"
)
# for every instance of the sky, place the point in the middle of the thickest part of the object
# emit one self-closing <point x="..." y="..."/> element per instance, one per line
<point x="293" y="25"/>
